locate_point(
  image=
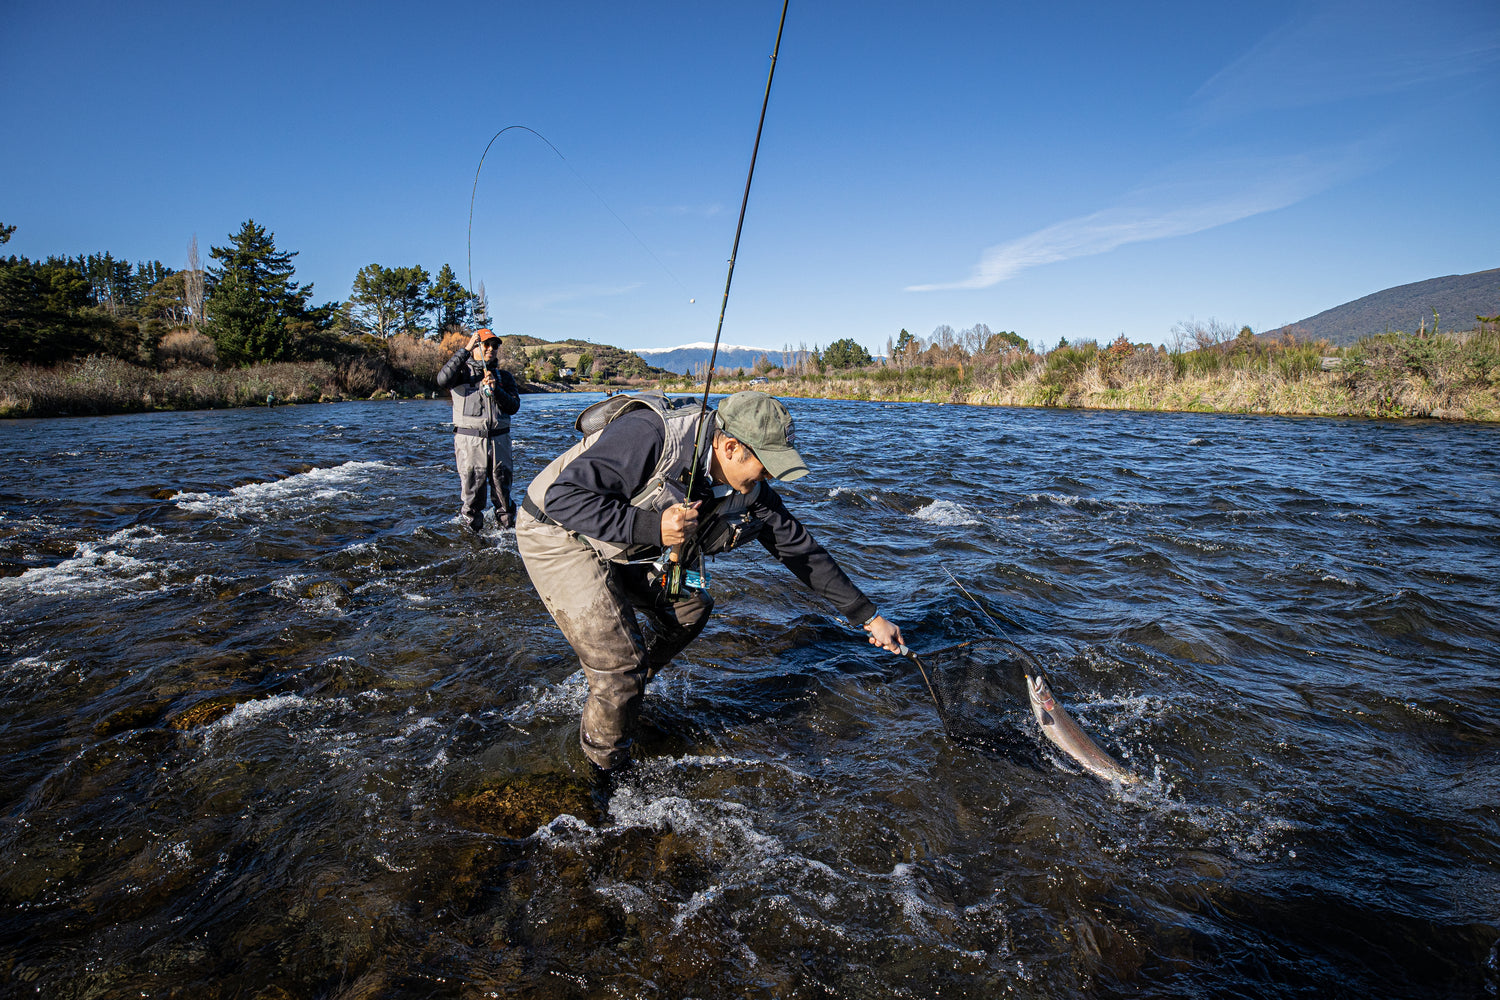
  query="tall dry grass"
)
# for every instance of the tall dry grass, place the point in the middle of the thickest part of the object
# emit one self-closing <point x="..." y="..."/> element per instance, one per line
<point x="99" y="385"/>
<point x="186" y="347"/>
<point x="420" y="357"/>
<point x="185" y="377"/>
<point x="1454" y="377"/>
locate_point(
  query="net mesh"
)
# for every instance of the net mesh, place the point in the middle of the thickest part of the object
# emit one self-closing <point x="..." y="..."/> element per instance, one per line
<point x="980" y="689"/>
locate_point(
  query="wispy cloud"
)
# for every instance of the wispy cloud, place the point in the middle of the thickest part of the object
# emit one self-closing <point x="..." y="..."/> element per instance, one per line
<point x="1343" y="49"/>
<point x="1204" y="196"/>
<point x="1332" y="50"/>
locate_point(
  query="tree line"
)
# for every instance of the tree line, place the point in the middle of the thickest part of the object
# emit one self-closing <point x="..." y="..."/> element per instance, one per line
<point x="246" y="301"/>
<point x="945" y="347"/>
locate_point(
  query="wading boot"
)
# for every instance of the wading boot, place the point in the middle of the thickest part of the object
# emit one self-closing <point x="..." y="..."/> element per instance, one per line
<point x="603" y="782"/>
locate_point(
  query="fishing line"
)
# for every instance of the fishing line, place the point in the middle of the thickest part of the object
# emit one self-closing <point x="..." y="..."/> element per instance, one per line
<point x="581" y="180"/>
<point x="971" y="597"/>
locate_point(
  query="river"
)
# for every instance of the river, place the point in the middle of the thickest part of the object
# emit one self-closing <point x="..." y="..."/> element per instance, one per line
<point x="256" y="680"/>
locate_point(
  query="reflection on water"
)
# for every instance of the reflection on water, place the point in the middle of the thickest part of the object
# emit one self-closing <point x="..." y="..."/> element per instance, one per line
<point x="275" y="726"/>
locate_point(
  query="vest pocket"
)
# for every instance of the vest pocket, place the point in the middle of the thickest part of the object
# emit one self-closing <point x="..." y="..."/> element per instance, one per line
<point x="473" y="403"/>
<point x="726" y="533"/>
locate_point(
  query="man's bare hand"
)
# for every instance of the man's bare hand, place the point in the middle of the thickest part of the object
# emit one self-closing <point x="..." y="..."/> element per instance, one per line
<point x="679" y="522"/>
<point x="473" y="343"/>
<point x="885" y="634"/>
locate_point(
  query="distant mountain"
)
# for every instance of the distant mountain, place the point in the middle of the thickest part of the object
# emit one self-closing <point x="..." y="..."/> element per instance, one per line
<point x="1458" y="298"/>
<point x="689" y="357"/>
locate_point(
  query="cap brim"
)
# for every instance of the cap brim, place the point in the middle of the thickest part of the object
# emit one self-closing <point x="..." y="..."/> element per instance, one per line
<point x="782" y="463"/>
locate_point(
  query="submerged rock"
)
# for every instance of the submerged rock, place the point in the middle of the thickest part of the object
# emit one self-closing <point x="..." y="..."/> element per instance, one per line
<point x="206" y="711"/>
<point x="517" y="808"/>
<point x="129" y="717"/>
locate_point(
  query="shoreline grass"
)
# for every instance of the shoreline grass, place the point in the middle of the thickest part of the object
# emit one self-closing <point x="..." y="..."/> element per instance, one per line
<point x="1394" y="376"/>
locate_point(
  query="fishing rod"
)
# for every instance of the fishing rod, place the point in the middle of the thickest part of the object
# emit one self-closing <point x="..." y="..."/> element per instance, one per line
<point x="475" y="190"/>
<point x="673" y="580"/>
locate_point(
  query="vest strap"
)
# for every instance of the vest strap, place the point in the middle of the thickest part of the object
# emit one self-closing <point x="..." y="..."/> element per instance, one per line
<point x="530" y="507"/>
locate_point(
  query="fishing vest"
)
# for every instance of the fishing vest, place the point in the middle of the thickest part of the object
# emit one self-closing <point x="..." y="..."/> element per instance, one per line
<point x="474" y="413"/>
<point x="727" y="522"/>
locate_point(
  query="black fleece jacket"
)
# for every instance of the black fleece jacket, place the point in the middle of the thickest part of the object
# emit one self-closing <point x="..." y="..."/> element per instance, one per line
<point x="592" y="497"/>
<point x="461" y="369"/>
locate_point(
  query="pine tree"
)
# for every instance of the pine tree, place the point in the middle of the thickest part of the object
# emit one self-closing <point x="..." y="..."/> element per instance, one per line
<point x="449" y="299"/>
<point x="252" y="297"/>
<point x="375" y="300"/>
<point x="414" y="299"/>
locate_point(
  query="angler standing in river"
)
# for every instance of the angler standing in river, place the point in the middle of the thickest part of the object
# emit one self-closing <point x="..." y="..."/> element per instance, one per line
<point x="484" y="398"/>
<point x="600" y="525"/>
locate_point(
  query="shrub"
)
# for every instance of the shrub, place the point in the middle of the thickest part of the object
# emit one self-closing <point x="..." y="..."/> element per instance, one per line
<point x="186" y="347"/>
<point x="418" y="358"/>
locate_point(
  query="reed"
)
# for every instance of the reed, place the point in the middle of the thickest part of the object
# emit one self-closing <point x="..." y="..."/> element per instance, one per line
<point x="100" y="385"/>
<point x="1451" y="377"/>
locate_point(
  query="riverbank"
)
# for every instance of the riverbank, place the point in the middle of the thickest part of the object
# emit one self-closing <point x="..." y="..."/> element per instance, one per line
<point x="1323" y="395"/>
<point x="98" y="386"/>
<point x="1449" y="377"/>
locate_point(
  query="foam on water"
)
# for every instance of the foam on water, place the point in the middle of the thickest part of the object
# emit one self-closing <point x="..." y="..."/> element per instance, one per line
<point x="251" y="711"/>
<point x="842" y="902"/>
<point x="946" y="513"/>
<point x="110" y="565"/>
<point x="551" y="700"/>
<point x="1084" y="503"/>
<point x="30" y="669"/>
<point x="314" y="488"/>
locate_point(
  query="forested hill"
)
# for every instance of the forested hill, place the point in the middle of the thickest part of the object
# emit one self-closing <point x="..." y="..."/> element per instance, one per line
<point x="1457" y="299"/>
<point x="690" y="357"/>
<point x="569" y="353"/>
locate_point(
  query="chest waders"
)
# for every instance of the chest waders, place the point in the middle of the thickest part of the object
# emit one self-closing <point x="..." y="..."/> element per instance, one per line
<point x="482" y="453"/>
<point x="602" y="596"/>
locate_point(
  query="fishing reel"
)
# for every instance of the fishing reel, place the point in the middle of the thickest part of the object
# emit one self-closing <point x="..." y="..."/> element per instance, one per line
<point x="673" y="576"/>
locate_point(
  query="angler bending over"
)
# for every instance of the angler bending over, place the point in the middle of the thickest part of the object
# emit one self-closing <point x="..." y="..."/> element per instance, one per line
<point x="484" y="397"/>
<point x="594" y="524"/>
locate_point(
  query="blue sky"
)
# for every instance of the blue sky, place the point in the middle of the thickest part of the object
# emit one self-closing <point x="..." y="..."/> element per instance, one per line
<point x="1071" y="169"/>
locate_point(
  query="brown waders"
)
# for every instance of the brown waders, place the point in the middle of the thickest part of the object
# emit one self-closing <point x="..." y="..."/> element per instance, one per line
<point x="595" y="602"/>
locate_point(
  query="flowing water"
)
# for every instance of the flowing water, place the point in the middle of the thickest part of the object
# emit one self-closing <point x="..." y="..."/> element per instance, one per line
<point x="256" y="678"/>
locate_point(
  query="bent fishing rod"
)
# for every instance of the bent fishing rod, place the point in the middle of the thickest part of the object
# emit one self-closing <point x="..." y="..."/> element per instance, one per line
<point x="673" y="580"/>
<point x="475" y="191"/>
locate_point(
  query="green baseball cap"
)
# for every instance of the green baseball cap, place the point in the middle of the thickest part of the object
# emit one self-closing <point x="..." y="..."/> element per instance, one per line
<point x="763" y="423"/>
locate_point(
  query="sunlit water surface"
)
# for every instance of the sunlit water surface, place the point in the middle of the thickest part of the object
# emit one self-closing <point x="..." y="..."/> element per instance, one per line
<point x="249" y="661"/>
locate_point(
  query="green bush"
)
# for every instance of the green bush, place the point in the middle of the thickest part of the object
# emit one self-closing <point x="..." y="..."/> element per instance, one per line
<point x="1066" y="364"/>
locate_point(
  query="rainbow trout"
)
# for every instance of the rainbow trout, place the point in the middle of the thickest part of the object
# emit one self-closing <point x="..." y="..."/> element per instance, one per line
<point x="1071" y="740"/>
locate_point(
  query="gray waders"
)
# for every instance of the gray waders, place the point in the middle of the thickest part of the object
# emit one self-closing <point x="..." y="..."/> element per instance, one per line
<point x="481" y="450"/>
